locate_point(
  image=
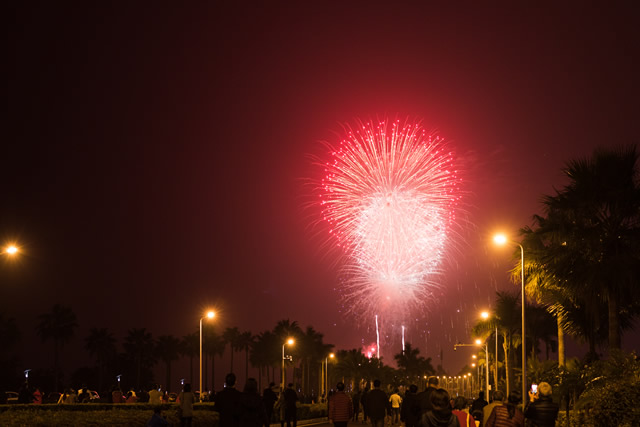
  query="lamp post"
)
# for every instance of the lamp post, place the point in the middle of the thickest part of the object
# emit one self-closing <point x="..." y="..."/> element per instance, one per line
<point x="326" y="372"/>
<point x="290" y="341"/>
<point x="209" y="315"/>
<point x="485" y="315"/>
<point x="486" y="365"/>
<point x="501" y="239"/>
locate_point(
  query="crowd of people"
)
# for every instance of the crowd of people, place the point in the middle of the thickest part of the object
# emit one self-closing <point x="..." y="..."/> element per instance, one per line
<point x="434" y="407"/>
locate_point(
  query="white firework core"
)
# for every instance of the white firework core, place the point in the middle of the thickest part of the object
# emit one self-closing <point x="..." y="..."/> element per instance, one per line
<point x="389" y="194"/>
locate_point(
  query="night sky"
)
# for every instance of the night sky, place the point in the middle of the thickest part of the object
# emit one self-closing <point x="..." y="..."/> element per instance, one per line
<point x="157" y="160"/>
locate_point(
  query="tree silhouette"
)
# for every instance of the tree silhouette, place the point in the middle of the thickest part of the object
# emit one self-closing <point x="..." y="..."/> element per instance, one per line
<point x="168" y="349"/>
<point x="591" y="232"/>
<point x="139" y="346"/>
<point x="59" y="325"/>
<point x="214" y="346"/>
<point x="190" y="347"/>
<point x="245" y="340"/>
<point x="101" y="344"/>
<point x="232" y="337"/>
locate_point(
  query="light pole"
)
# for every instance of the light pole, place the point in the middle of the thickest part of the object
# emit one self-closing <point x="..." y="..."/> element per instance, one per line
<point x="485" y="315"/>
<point x="209" y="315"/>
<point x="501" y="239"/>
<point x="479" y="343"/>
<point x="326" y="372"/>
<point x="486" y="365"/>
<point x="290" y="341"/>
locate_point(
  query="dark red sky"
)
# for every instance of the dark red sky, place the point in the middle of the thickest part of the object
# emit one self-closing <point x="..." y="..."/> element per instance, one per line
<point x="155" y="158"/>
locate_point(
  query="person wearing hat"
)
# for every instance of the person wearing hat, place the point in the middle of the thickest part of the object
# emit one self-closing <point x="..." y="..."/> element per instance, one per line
<point x="542" y="411"/>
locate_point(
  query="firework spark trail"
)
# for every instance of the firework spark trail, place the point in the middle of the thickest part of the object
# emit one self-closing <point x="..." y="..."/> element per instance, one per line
<point x="389" y="195"/>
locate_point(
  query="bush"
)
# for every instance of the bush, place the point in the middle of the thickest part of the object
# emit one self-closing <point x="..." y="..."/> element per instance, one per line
<point x="108" y="414"/>
<point x="611" y="396"/>
<point x="98" y="415"/>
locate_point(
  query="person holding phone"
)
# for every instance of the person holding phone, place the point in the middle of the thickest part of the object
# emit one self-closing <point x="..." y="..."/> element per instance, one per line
<point x="542" y="411"/>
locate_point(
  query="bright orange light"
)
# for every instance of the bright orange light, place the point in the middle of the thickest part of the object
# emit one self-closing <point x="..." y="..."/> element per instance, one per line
<point x="473" y="365"/>
<point x="211" y="314"/>
<point x="484" y="314"/>
<point x="331" y="355"/>
<point x="11" y="250"/>
<point x="290" y="341"/>
<point x="478" y="341"/>
<point x="500" y="239"/>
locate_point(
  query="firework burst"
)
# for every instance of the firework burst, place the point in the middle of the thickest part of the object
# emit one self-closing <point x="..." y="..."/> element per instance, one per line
<point x="389" y="195"/>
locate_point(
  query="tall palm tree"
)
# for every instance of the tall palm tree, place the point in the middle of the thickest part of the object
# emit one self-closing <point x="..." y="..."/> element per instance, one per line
<point x="285" y="329"/>
<point x="594" y="222"/>
<point x="59" y="325"/>
<point x="312" y="352"/>
<point x="168" y="350"/>
<point x="101" y="344"/>
<point x="412" y="364"/>
<point x="139" y="346"/>
<point x="190" y="347"/>
<point x="232" y="337"/>
<point x="265" y="354"/>
<point x="213" y="346"/>
<point x="508" y="321"/>
<point x="245" y="340"/>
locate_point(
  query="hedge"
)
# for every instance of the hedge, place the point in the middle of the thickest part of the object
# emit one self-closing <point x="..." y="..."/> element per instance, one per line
<point x="102" y="414"/>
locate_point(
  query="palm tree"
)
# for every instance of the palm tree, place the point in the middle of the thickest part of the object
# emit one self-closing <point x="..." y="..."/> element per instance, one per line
<point x="213" y="346"/>
<point x="265" y="354"/>
<point x="245" y="340"/>
<point x="593" y="226"/>
<point x="139" y="346"/>
<point x="232" y="337"/>
<point x="101" y="344"/>
<point x="507" y="320"/>
<point x="190" y="347"/>
<point x="412" y="363"/>
<point x="59" y="325"/>
<point x="285" y="329"/>
<point x="312" y="352"/>
<point x="168" y="349"/>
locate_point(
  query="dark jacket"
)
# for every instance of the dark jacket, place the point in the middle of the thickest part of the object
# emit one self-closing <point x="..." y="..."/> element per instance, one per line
<point x="410" y="411"/>
<point x="269" y="397"/>
<point x="290" y="399"/>
<point x="227" y="403"/>
<point x="252" y="411"/>
<point x="542" y="412"/>
<point x="425" y="401"/>
<point x="478" y="405"/>
<point x="377" y="402"/>
<point x="440" y="419"/>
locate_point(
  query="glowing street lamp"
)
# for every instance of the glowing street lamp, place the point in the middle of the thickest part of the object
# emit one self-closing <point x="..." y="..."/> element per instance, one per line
<point x="501" y="239"/>
<point x="290" y="341"/>
<point x="326" y="372"/>
<point x="11" y="250"/>
<point x="210" y="315"/>
<point x="485" y="316"/>
<point x="486" y="364"/>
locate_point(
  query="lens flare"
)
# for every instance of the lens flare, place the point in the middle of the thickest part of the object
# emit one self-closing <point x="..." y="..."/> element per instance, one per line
<point x="389" y="194"/>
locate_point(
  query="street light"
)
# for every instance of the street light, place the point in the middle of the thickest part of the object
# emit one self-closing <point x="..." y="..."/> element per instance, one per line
<point x="210" y="315"/>
<point x="326" y="372"/>
<point x="11" y="250"/>
<point x="486" y="364"/>
<point x="485" y="316"/>
<point x="501" y="239"/>
<point x="290" y="341"/>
